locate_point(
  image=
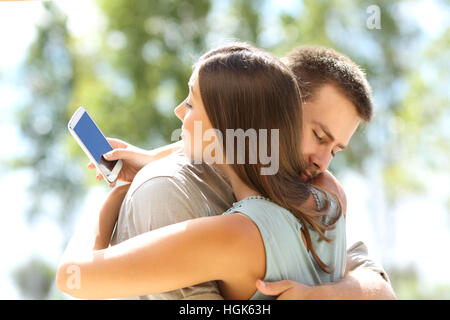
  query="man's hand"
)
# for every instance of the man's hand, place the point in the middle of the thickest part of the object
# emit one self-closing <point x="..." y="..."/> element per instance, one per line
<point x="133" y="159"/>
<point x="291" y="290"/>
<point x="360" y="284"/>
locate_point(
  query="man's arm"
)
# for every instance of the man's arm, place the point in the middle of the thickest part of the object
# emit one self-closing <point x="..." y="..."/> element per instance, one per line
<point x="364" y="280"/>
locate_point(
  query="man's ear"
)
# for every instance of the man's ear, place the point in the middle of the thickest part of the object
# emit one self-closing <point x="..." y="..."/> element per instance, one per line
<point x="329" y="182"/>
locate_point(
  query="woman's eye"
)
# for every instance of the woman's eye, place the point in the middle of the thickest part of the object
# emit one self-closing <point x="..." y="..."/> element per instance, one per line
<point x="188" y="105"/>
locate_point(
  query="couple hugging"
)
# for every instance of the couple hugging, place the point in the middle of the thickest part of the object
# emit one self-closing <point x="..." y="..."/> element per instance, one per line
<point x="191" y="226"/>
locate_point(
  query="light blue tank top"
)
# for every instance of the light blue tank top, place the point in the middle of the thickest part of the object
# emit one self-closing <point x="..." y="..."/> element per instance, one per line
<point x="286" y="256"/>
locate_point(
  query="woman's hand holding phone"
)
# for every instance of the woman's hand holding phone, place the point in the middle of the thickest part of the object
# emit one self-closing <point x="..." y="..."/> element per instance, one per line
<point x="133" y="158"/>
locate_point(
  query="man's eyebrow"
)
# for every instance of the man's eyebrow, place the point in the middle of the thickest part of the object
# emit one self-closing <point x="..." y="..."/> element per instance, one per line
<point x="328" y="133"/>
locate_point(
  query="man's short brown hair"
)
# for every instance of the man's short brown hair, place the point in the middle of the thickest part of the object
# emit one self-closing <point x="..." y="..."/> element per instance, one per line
<point x="316" y="66"/>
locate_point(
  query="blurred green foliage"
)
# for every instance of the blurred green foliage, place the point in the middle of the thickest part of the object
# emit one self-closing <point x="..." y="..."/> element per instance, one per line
<point x="408" y="286"/>
<point x="48" y="74"/>
<point x="35" y="278"/>
<point x="138" y="73"/>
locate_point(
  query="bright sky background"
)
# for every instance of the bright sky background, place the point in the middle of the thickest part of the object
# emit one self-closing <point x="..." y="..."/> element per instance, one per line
<point x="19" y="241"/>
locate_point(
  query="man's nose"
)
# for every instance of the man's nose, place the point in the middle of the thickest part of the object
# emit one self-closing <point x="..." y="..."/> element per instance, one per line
<point x="322" y="160"/>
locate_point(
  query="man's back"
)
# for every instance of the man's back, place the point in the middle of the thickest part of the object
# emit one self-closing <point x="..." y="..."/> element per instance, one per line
<point x="168" y="191"/>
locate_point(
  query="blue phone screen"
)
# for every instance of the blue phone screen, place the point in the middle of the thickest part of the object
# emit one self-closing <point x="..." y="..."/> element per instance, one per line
<point x="94" y="141"/>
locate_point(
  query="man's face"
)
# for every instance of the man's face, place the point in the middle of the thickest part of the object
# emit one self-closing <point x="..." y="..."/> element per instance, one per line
<point x="329" y="121"/>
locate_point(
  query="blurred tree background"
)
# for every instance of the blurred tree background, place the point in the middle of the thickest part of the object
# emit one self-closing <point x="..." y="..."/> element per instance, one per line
<point x="135" y="69"/>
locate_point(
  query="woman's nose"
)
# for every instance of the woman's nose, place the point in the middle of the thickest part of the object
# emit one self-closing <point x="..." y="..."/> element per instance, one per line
<point x="180" y="111"/>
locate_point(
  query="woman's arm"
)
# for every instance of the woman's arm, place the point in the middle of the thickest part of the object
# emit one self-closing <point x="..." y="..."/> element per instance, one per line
<point x="168" y="258"/>
<point x="134" y="158"/>
<point x="164" y="151"/>
<point x="124" y="150"/>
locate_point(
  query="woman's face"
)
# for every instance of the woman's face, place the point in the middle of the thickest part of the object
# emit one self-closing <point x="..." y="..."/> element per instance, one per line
<point x="195" y="120"/>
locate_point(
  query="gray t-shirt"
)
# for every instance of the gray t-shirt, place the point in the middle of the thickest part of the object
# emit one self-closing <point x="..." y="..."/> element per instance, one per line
<point x="174" y="189"/>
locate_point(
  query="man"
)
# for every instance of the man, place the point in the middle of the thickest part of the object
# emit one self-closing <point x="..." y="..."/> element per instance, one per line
<point x="336" y="98"/>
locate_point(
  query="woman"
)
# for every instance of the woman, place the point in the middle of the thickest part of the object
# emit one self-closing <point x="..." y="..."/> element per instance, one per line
<point x="273" y="225"/>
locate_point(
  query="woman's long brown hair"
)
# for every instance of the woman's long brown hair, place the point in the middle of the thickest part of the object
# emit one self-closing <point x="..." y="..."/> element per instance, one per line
<point x="245" y="87"/>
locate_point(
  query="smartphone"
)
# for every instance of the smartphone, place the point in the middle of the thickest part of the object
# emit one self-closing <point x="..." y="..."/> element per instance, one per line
<point x="93" y="143"/>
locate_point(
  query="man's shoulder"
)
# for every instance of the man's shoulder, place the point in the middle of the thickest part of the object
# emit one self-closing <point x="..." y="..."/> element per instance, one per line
<point x="158" y="196"/>
<point x="169" y="173"/>
<point x="329" y="183"/>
